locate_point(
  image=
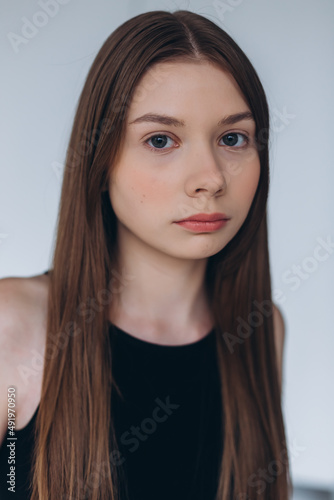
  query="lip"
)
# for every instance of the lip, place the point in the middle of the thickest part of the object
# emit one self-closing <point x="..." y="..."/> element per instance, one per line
<point x="206" y="217"/>
<point x="203" y="226"/>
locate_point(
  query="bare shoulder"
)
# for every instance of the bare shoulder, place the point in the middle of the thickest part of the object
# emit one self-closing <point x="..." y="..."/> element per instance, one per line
<point x="279" y="326"/>
<point x="23" y="307"/>
<point x="279" y="336"/>
<point x="23" y="315"/>
<point x="20" y="293"/>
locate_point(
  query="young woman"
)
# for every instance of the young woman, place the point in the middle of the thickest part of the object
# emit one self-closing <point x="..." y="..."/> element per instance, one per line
<point x="162" y="350"/>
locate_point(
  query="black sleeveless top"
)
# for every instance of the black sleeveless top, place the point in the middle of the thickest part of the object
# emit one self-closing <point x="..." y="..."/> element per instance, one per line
<point x="168" y="424"/>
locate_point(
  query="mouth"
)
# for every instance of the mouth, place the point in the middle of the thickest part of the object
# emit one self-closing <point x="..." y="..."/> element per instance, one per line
<point x="203" y="226"/>
<point x="206" y="218"/>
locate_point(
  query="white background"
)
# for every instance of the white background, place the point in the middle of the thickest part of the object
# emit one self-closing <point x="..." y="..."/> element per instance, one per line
<point x="291" y="45"/>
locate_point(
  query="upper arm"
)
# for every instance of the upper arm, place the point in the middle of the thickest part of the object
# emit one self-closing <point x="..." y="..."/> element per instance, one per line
<point x="6" y="320"/>
<point x="279" y="337"/>
<point x="23" y="315"/>
<point x="11" y="300"/>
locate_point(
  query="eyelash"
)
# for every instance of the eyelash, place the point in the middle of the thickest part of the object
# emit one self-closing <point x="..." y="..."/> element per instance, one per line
<point x="157" y="150"/>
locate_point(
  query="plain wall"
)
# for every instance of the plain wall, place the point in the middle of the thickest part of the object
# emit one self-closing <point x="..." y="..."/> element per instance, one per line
<point x="291" y="45"/>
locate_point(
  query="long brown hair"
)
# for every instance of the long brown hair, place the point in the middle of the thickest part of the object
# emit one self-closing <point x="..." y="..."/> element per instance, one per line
<point x="72" y="457"/>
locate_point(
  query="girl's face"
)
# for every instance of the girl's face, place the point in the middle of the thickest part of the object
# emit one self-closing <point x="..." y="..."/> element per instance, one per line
<point x="189" y="149"/>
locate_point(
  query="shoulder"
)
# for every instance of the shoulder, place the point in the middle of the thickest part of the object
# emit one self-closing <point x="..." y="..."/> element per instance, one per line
<point x="23" y="303"/>
<point x="279" y="337"/>
<point x="23" y="315"/>
<point x="279" y="327"/>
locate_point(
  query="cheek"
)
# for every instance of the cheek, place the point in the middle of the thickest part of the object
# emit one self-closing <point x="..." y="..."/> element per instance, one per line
<point x="252" y="181"/>
<point x="244" y="184"/>
<point x="133" y="191"/>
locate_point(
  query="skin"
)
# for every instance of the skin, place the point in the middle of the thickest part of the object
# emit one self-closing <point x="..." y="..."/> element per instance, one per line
<point x="161" y="299"/>
<point x="161" y="180"/>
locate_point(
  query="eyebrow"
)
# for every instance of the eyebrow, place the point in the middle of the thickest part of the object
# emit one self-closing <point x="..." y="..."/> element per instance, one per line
<point x="171" y="120"/>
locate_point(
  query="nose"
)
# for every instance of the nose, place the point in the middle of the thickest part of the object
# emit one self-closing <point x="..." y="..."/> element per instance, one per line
<point x="206" y="177"/>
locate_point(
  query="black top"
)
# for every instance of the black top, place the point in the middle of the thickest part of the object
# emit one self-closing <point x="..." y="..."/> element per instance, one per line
<point x="168" y="427"/>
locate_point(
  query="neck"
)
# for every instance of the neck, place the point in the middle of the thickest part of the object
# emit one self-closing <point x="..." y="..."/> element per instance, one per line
<point x="163" y="298"/>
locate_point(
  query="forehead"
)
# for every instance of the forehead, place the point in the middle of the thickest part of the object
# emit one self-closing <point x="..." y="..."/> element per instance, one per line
<point x="180" y="85"/>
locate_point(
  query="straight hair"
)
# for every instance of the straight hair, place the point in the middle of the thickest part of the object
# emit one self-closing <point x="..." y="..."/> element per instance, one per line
<point x="75" y="452"/>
